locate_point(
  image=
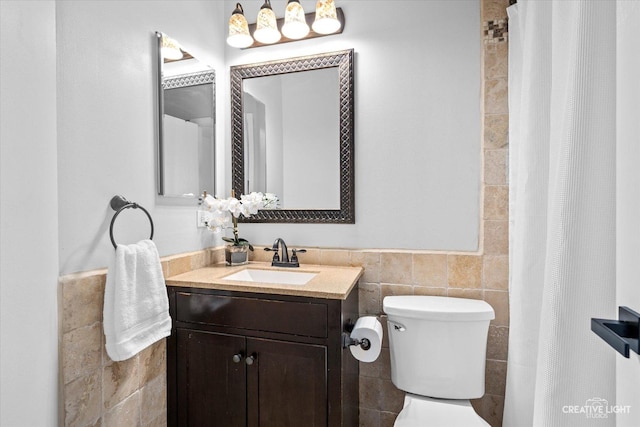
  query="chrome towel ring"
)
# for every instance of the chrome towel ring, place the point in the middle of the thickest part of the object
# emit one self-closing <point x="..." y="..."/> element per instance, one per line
<point x="118" y="204"/>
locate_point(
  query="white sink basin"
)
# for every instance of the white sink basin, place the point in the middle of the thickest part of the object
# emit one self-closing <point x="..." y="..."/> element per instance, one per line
<point x="271" y="276"/>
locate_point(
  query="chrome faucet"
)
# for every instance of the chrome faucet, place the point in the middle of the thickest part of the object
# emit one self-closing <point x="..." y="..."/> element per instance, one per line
<point x="279" y="246"/>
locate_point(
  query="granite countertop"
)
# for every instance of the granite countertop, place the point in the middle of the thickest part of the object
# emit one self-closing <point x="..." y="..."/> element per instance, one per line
<point x="331" y="282"/>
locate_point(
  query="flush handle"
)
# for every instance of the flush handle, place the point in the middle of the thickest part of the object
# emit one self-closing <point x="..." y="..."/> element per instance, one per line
<point x="397" y="326"/>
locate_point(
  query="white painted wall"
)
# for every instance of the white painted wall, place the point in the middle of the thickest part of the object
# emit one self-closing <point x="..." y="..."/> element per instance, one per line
<point x="77" y="127"/>
<point x="28" y="215"/>
<point x="417" y="124"/>
<point x="106" y="121"/>
<point x="628" y="198"/>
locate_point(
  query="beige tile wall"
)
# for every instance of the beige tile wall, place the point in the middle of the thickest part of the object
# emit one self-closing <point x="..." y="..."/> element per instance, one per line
<point x="96" y="391"/>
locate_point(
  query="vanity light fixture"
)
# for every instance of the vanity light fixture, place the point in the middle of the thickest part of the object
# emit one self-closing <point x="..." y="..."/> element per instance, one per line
<point x="239" y="29"/>
<point x="326" y="20"/>
<point x="266" y="26"/>
<point x="295" y="24"/>
<point x="169" y="48"/>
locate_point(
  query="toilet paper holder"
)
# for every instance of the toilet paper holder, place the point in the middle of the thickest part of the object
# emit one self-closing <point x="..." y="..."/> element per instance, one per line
<point x="347" y="341"/>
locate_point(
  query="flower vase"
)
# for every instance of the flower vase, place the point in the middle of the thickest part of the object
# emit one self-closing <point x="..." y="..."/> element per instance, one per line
<point x="236" y="255"/>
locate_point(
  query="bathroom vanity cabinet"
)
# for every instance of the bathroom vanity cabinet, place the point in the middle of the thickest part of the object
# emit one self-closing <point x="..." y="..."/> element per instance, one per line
<point x="252" y="359"/>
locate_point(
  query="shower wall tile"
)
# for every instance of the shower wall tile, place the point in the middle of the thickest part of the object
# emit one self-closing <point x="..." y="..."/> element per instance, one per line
<point x="495" y="377"/>
<point x="498" y="343"/>
<point x="96" y="391"/>
<point x="369" y="417"/>
<point x="496" y="131"/>
<point x="496" y="272"/>
<point x="496" y="202"/>
<point x="396" y="267"/>
<point x="492" y="10"/>
<point x="495" y="96"/>
<point x="464" y="271"/>
<point x="391" y="399"/>
<point x="387" y="419"/>
<point x="81" y="351"/>
<point x="369" y="298"/>
<point x="370" y="392"/>
<point x="119" y="381"/>
<point x="82" y="302"/>
<point x="499" y="300"/>
<point x="430" y="270"/>
<point x="83" y="400"/>
<point x="496" y="237"/>
<point x="152" y="362"/>
<point x="428" y="291"/>
<point x="495" y="167"/>
<point x="496" y="63"/>
<point x="153" y="397"/>
<point x="465" y="293"/>
<point x="391" y="290"/>
<point x="491" y="406"/>
<point x="370" y="261"/>
<point x="126" y="413"/>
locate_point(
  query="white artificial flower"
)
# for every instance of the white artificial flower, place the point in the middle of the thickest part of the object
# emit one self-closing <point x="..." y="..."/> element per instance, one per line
<point x="219" y="220"/>
<point x="223" y="211"/>
<point x="234" y="206"/>
<point x="270" y="201"/>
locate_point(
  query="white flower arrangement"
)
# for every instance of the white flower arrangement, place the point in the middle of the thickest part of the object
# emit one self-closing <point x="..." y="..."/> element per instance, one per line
<point x="225" y="212"/>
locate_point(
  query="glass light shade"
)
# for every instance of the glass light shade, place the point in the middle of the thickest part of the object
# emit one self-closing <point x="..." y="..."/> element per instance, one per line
<point x="169" y="48"/>
<point x="295" y="25"/>
<point x="239" y="29"/>
<point x="266" y="25"/>
<point x="326" y="21"/>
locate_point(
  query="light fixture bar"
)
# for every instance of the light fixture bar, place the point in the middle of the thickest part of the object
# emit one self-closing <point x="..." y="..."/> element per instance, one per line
<point x="309" y="17"/>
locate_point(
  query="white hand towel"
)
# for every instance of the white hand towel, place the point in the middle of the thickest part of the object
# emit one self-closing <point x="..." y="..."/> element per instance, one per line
<point x="136" y="307"/>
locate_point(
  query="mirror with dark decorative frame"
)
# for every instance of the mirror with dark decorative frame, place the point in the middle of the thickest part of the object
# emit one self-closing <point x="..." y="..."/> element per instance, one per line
<point x="292" y="135"/>
<point x="186" y="123"/>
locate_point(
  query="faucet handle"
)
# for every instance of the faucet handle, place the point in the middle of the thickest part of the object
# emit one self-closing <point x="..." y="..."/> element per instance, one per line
<point x="276" y="257"/>
<point x="294" y="256"/>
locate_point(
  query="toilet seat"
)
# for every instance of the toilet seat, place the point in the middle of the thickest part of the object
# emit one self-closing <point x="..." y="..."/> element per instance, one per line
<point x="420" y="411"/>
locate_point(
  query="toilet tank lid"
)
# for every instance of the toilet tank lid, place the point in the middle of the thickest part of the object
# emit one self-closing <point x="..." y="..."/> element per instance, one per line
<point x="438" y="308"/>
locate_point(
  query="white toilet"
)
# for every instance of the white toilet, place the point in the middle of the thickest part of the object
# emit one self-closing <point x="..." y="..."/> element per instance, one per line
<point x="438" y="349"/>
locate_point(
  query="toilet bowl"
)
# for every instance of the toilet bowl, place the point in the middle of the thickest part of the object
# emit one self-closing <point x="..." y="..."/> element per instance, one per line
<point x="420" y="411"/>
<point x="438" y="347"/>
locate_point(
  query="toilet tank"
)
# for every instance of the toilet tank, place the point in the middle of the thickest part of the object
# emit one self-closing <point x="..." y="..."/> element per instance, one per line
<point x="438" y="345"/>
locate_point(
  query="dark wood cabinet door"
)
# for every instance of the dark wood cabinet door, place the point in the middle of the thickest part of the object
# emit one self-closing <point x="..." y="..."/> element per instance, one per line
<point x="211" y="384"/>
<point x="286" y="384"/>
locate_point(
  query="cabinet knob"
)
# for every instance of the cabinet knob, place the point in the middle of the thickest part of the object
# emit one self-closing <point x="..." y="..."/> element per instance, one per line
<point x="237" y="358"/>
<point x="250" y="359"/>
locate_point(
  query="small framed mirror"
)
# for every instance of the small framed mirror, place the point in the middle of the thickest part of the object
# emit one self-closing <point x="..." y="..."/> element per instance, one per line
<point x="186" y="123"/>
<point x="292" y="135"/>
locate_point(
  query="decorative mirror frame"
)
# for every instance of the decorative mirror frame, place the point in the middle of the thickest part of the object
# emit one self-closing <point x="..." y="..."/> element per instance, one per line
<point x="343" y="60"/>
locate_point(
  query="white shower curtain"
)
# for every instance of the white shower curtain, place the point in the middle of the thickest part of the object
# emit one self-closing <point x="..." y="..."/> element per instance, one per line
<point x="562" y="141"/>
